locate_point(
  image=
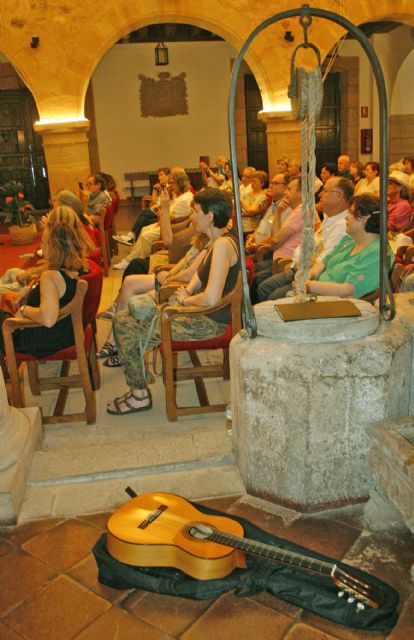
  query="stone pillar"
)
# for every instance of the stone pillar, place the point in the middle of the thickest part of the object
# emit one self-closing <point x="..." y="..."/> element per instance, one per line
<point x="67" y="153"/>
<point x="302" y="394"/>
<point x="20" y="433"/>
<point x="283" y="136"/>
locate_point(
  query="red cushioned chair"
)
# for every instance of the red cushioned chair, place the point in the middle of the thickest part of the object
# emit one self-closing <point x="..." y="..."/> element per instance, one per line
<point x="115" y="205"/>
<point x="83" y="309"/>
<point x="169" y="349"/>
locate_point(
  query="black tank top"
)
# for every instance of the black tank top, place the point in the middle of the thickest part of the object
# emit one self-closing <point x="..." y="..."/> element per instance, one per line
<point x="43" y="341"/>
<point x="222" y="315"/>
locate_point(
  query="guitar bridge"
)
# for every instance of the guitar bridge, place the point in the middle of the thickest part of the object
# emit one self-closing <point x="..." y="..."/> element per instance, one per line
<point x="153" y="516"/>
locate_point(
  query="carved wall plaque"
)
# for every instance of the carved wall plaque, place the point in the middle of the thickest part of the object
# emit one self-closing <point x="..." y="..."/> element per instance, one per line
<point x="164" y="97"/>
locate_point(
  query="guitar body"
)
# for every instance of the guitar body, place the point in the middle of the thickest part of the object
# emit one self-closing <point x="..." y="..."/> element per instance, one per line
<point x="153" y="530"/>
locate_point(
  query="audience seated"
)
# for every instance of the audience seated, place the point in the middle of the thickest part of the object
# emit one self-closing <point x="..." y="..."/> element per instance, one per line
<point x="149" y="215"/>
<point x="65" y="248"/>
<point x="213" y="177"/>
<point x="399" y="208"/>
<point x="357" y="172"/>
<point x="371" y="182"/>
<point x="246" y="181"/>
<point x="255" y="202"/>
<point x="344" y="167"/>
<point x="97" y="198"/>
<point x="335" y="199"/>
<point x="275" y="193"/>
<point x="150" y="283"/>
<point x="285" y="237"/>
<point x="216" y="276"/>
<point x="351" y="270"/>
<point x="178" y="209"/>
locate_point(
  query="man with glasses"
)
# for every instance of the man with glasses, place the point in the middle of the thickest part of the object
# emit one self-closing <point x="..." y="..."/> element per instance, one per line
<point x="276" y="191"/>
<point x="246" y="181"/>
<point x="335" y="199"/>
<point x="97" y="197"/>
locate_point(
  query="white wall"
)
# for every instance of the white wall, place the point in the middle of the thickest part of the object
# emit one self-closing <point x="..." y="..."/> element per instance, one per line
<point x="391" y="49"/>
<point x="127" y="142"/>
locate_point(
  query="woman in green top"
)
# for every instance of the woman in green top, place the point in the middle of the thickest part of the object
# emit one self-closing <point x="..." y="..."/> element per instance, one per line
<point x="351" y="270"/>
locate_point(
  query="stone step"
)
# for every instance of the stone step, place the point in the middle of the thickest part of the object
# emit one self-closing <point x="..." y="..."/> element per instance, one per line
<point x="75" y="479"/>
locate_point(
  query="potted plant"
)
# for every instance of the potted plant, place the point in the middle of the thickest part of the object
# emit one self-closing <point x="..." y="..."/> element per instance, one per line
<point x="19" y="213"/>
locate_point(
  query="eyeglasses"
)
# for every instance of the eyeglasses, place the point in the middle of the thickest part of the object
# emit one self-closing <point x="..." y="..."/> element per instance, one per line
<point x="273" y="182"/>
<point x="331" y="191"/>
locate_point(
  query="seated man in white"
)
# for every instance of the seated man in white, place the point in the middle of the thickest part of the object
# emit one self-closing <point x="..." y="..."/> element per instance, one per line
<point x="276" y="191"/>
<point x="179" y="207"/>
<point x="335" y="199"/>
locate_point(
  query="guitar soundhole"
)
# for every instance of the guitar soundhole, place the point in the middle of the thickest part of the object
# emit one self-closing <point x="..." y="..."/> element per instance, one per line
<point x="199" y="530"/>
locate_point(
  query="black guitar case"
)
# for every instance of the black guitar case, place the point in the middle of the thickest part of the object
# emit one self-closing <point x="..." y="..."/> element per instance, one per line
<point x="310" y="591"/>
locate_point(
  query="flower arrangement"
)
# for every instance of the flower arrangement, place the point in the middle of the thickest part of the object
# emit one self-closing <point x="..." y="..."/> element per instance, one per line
<point x="19" y="211"/>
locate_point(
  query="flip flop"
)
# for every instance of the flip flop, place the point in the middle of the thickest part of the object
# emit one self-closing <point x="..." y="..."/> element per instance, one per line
<point x="128" y="407"/>
<point x="113" y="361"/>
<point x="108" y="350"/>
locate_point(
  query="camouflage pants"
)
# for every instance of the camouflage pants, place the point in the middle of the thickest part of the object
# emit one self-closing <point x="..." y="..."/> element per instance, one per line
<point x="127" y="332"/>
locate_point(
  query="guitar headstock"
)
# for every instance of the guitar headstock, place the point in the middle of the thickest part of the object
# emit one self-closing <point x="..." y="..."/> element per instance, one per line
<point x="357" y="590"/>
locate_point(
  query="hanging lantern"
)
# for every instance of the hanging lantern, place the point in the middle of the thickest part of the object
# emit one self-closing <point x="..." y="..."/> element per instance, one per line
<point x="161" y="54"/>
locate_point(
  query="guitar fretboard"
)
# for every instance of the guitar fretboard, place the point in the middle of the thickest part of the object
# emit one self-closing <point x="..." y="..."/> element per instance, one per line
<point x="271" y="552"/>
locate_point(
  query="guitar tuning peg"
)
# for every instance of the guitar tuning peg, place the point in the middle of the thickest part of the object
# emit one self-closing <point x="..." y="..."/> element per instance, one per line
<point x="360" y="607"/>
<point x="351" y="599"/>
<point x="341" y="594"/>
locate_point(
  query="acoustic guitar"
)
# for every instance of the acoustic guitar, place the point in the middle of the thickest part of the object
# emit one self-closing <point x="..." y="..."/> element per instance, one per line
<point x="165" y="530"/>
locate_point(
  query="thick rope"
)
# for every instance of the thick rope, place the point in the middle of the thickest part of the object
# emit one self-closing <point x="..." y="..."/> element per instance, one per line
<point x="310" y="103"/>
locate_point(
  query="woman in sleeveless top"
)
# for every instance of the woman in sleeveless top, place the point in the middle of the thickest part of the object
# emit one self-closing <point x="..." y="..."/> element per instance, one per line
<point x="64" y="245"/>
<point x="217" y="275"/>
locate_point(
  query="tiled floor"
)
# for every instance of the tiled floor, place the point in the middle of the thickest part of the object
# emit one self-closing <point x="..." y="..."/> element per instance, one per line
<point x="48" y="577"/>
<point x="49" y="588"/>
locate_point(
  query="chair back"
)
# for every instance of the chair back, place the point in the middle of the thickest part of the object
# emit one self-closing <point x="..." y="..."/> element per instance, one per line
<point x="109" y="215"/>
<point x="94" y="278"/>
<point x="115" y="201"/>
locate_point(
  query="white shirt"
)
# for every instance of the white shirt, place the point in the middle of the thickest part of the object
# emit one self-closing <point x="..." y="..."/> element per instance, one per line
<point x="328" y="235"/>
<point x="180" y="206"/>
<point x="245" y="189"/>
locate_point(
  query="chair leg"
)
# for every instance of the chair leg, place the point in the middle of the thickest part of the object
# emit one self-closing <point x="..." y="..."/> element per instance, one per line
<point x="226" y="364"/>
<point x="17" y="396"/>
<point x="33" y="375"/>
<point x="93" y="366"/>
<point x="170" y="388"/>
<point x="90" y="400"/>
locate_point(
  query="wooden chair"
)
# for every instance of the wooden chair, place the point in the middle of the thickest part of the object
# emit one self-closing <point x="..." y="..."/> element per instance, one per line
<point x="395" y="277"/>
<point x="169" y="349"/>
<point x="115" y="207"/>
<point x="83" y="350"/>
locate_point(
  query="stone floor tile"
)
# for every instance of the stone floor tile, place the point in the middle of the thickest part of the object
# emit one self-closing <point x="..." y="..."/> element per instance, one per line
<point x="352" y="515"/>
<point x="168" y="613"/>
<point x="404" y="628"/>
<point x="22" y="533"/>
<point x="386" y="556"/>
<point x="121" y="625"/>
<point x="5" y="547"/>
<point x="8" y="634"/>
<point x="64" y="545"/>
<point x="338" y="630"/>
<point x="23" y="575"/>
<point x="98" y="520"/>
<point x="62" y="606"/>
<point x="86" y="572"/>
<point x="302" y="632"/>
<point x="242" y="618"/>
<point x="259" y="517"/>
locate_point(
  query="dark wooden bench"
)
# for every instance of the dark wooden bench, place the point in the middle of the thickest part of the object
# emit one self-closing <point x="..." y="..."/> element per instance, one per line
<point x="134" y="189"/>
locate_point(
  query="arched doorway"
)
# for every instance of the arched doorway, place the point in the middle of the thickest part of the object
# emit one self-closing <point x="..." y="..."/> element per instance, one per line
<point x="21" y="150"/>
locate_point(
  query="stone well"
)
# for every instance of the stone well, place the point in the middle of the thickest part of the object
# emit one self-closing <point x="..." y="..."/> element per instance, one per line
<point x="302" y="395"/>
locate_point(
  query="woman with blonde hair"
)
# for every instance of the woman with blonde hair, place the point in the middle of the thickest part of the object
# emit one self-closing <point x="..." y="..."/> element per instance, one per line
<point x="64" y="245"/>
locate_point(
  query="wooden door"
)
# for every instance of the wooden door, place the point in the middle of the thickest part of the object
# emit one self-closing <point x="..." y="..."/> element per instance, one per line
<point x="328" y="123"/>
<point x="21" y="151"/>
<point x="255" y="129"/>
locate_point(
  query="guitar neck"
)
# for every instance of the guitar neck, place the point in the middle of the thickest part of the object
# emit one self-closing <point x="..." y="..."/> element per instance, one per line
<point x="252" y="547"/>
